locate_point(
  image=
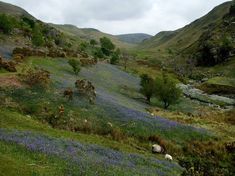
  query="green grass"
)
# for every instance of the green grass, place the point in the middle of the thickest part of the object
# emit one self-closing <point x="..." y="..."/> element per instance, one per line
<point x="13" y="120"/>
<point x="22" y="162"/>
<point x="224" y="81"/>
<point x="16" y="160"/>
<point x="226" y="68"/>
<point x="183" y="105"/>
<point x="3" y="71"/>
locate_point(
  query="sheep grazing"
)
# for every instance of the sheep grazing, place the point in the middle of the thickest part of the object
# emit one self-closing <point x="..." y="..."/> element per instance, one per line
<point x="168" y="157"/>
<point x="110" y="124"/>
<point x="157" y="148"/>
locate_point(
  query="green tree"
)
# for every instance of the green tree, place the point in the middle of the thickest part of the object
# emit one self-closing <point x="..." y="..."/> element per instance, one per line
<point x="115" y="57"/>
<point x="225" y="49"/>
<point x="6" y="25"/>
<point x="93" y="42"/>
<point x="37" y="37"/>
<point x="28" y="21"/>
<point x="76" y="65"/>
<point x="83" y="46"/>
<point x="98" y="53"/>
<point x="107" y="46"/>
<point x="147" y="86"/>
<point x="166" y="90"/>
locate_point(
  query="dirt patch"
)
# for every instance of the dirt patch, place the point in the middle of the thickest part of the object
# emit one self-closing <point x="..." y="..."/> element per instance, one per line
<point x="10" y="81"/>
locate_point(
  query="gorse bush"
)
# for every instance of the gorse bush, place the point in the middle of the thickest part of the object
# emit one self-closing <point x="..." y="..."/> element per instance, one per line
<point x="86" y="88"/>
<point x="35" y="77"/>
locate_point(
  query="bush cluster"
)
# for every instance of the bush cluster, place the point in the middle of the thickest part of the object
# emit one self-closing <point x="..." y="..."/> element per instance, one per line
<point x="35" y="77"/>
<point x="163" y="88"/>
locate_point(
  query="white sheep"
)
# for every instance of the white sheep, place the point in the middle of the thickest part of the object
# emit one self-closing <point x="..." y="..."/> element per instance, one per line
<point x="156" y="148"/>
<point x="168" y="157"/>
<point x="110" y="124"/>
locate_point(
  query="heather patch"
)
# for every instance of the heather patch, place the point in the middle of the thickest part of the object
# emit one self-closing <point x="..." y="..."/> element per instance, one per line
<point x="91" y="159"/>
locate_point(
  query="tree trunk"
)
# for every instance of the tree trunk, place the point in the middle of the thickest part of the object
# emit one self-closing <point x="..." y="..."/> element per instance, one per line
<point x="148" y="99"/>
<point x="166" y="105"/>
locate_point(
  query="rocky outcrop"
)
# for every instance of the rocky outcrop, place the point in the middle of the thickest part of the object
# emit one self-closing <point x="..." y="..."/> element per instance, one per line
<point x="196" y="94"/>
<point x="25" y="51"/>
<point x="88" y="62"/>
<point x="9" y="66"/>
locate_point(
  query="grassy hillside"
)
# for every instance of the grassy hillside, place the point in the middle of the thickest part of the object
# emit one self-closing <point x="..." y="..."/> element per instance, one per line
<point x="88" y="33"/>
<point x="83" y="133"/>
<point x="133" y="38"/>
<point x="50" y="126"/>
<point x="13" y="10"/>
<point x="28" y="147"/>
<point x="183" y="38"/>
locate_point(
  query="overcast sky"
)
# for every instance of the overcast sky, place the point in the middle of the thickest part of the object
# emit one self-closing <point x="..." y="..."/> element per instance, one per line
<point x="119" y="16"/>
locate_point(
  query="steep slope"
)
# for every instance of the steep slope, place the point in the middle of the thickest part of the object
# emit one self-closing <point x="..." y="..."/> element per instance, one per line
<point x="89" y="33"/>
<point x="185" y="37"/>
<point x="133" y="38"/>
<point x="10" y="9"/>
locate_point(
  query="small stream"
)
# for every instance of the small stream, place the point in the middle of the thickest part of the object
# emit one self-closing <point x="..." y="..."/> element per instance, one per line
<point x="211" y="100"/>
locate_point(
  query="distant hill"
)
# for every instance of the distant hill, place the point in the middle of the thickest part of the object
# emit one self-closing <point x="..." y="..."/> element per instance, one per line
<point x="90" y="33"/>
<point x="72" y="34"/>
<point x="134" y="38"/>
<point x="186" y="37"/>
<point x="10" y="9"/>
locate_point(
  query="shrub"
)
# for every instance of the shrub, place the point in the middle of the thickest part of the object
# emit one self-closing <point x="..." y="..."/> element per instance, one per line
<point x="98" y="53"/>
<point x="212" y="52"/>
<point x="35" y="77"/>
<point x="167" y="91"/>
<point x="115" y="58"/>
<point x="28" y="21"/>
<point x="230" y="117"/>
<point x="93" y="42"/>
<point x="207" y="158"/>
<point x="147" y="86"/>
<point x="9" y="66"/>
<point x="87" y="89"/>
<point x="158" y="140"/>
<point x="232" y="10"/>
<point x="6" y="25"/>
<point x="37" y="38"/>
<point x="117" y="134"/>
<point x="106" y="46"/>
<point x="83" y="46"/>
<point x="75" y="64"/>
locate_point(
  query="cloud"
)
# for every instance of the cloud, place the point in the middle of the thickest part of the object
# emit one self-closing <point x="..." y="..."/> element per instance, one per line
<point x="120" y="16"/>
